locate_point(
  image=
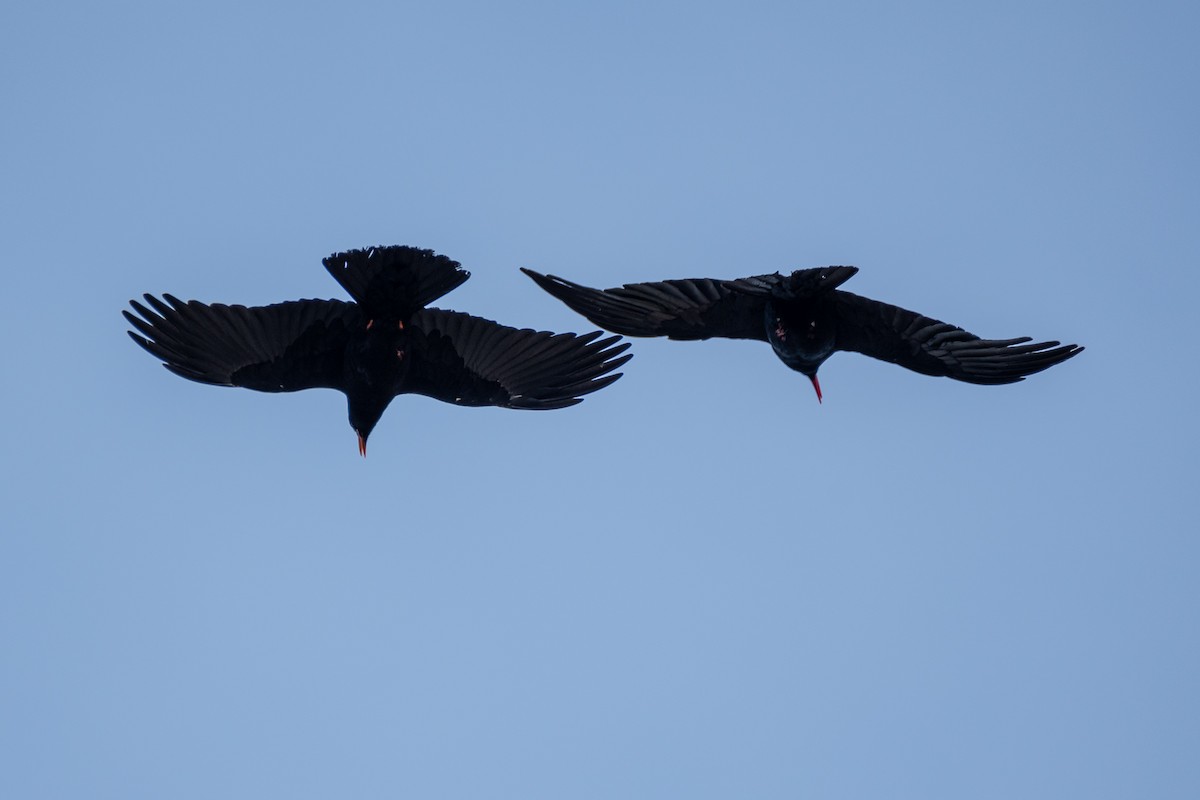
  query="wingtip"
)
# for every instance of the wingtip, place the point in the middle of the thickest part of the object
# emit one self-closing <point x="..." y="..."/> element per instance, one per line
<point x="621" y="348"/>
<point x="139" y="340"/>
<point x="543" y="280"/>
<point x="617" y="363"/>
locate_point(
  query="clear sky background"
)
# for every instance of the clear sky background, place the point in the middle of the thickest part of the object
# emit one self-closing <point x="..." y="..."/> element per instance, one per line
<point x="699" y="583"/>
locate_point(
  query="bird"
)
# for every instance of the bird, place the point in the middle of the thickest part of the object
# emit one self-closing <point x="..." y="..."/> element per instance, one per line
<point x="384" y="343"/>
<point x="806" y="318"/>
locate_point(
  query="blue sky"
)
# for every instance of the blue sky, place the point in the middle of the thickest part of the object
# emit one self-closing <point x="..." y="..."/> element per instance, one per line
<point x="698" y="583"/>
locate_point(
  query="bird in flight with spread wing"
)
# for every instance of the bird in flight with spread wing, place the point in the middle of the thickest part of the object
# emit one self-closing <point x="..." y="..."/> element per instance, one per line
<point x="806" y="318"/>
<point x="384" y="343"/>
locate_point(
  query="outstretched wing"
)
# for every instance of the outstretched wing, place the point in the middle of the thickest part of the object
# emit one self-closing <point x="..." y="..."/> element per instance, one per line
<point x="932" y="347"/>
<point x="393" y="282"/>
<point x="472" y="361"/>
<point x="284" y="347"/>
<point x="697" y="308"/>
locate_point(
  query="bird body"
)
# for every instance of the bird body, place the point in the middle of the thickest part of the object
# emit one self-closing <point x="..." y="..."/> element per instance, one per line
<point x="806" y="318"/>
<point x="383" y="344"/>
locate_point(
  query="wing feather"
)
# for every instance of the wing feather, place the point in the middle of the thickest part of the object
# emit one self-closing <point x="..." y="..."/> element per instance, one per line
<point x="932" y="347"/>
<point x="689" y="309"/>
<point x="283" y="347"/>
<point x="472" y="361"/>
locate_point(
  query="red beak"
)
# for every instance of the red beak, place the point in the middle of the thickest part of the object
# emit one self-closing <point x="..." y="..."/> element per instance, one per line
<point x="817" y="386"/>
<point x="362" y="446"/>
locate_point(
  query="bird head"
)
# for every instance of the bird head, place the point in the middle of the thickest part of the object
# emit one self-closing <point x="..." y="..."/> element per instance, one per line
<point x="365" y="412"/>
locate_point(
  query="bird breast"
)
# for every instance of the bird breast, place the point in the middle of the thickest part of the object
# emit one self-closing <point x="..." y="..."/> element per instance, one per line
<point x="377" y="356"/>
<point x="800" y="334"/>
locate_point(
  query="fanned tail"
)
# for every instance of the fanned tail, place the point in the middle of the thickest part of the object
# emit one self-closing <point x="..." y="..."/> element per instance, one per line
<point x="394" y="282"/>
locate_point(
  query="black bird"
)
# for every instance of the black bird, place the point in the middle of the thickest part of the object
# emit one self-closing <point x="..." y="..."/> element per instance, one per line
<point x="383" y="344"/>
<point x="806" y="318"/>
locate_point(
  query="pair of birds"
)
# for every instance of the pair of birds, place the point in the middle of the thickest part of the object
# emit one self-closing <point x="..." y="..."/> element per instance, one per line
<point x="388" y="342"/>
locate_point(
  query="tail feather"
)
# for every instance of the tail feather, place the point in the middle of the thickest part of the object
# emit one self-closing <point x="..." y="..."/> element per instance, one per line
<point x="394" y="282"/>
<point x="802" y="283"/>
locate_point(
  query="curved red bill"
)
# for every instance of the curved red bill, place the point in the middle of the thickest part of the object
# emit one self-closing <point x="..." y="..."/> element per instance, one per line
<point x="362" y="446"/>
<point x="816" y="385"/>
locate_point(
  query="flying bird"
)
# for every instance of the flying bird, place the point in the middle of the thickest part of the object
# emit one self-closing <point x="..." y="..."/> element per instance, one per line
<point x="383" y="344"/>
<point x="806" y="318"/>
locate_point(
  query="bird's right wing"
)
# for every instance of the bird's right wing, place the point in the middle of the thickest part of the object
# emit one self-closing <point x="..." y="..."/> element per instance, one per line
<point x="284" y="347"/>
<point x="471" y="361"/>
<point x="695" y="308"/>
<point x="932" y="347"/>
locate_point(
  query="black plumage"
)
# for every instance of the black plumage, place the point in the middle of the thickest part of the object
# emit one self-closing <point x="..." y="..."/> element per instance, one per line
<point x="384" y="343"/>
<point x="806" y="318"/>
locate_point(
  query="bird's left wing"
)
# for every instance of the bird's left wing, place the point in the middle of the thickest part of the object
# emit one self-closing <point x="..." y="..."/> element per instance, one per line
<point x="932" y="347"/>
<point x="472" y="361"/>
<point x="283" y="347"/>
<point x="688" y="309"/>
